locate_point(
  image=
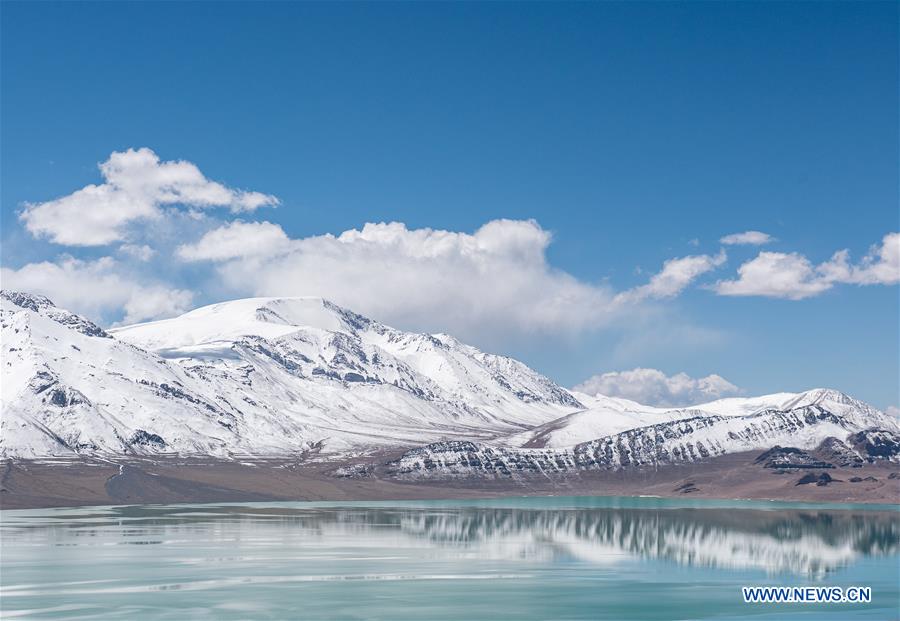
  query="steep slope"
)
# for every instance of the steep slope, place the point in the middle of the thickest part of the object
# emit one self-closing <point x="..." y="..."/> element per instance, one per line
<point x="605" y="416"/>
<point x="68" y="387"/>
<point x="686" y="440"/>
<point x="281" y="376"/>
<point x="262" y="377"/>
<point x="312" y="337"/>
<point x="602" y="416"/>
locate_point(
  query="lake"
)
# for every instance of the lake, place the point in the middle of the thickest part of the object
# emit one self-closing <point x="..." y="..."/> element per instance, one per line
<point x="514" y="558"/>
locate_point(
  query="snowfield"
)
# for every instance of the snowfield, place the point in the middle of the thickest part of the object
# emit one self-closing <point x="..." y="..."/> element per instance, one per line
<point x="286" y="376"/>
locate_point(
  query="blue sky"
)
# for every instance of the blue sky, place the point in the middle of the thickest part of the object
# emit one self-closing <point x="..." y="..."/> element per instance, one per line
<point x="633" y="133"/>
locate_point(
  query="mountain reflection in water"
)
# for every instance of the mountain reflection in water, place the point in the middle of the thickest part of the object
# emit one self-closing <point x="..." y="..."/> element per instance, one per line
<point x="808" y="542"/>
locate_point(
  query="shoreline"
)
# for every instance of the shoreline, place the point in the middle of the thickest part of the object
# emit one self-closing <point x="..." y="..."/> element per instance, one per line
<point x="473" y="501"/>
<point x="79" y="482"/>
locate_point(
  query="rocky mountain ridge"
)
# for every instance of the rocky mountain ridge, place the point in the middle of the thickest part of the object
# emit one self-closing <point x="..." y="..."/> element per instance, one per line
<point x="303" y="376"/>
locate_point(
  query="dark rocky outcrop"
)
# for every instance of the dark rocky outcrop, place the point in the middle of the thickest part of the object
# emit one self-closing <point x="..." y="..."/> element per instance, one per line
<point x="877" y="444"/>
<point x="839" y="453"/>
<point x="43" y="306"/>
<point x="681" y="441"/>
<point x="821" y="480"/>
<point x="788" y="457"/>
<point x="143" y="438"/>
<point x="687" y="488"/>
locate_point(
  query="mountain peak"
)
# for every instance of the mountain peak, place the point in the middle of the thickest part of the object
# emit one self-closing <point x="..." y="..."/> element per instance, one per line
<point x="277" y="375"/>
<point x="817" y="396"/>
<point x="258" y="375"/>
<point x="31" y="301"/>
<point x="268" y="318"/>
<point x="43" y="306"/>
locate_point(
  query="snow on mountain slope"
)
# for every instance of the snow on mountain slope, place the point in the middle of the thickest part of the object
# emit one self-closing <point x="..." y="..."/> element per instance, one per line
<point x="227" y="322"/>
<point x="69" y="387"/>
<point x="261" y="376"/>
<point x="322" y="339"/>
<point x="679" y="441"/>
<point x="275" y="376"/>
<point x="606" y="416"/>
<point x="739" y="406"/>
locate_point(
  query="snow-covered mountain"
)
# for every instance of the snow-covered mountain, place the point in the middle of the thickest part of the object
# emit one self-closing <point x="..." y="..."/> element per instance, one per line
<point x="606" y="416"/>
<point x="279" y="376"/>
<point x="256" y="376"/>
<point x="684" y="440"/>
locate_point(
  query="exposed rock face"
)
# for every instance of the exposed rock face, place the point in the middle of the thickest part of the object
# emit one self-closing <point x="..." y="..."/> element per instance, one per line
<point x="789" y="457"/>
<point x="821" y="480"/>
<point x="687" y="488"/>
<point x="43" y="306"/>
<point x="839" y="453"/>
<point x="270" y="377"/>
<point x="142" y="438"/>
<point x="266" y="376"/>
<point x="877" y="444"/>
<point x="699" y="438"/>
<point x="668" y="443"/>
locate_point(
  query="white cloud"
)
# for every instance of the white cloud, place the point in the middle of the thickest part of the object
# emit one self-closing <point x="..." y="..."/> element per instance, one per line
<point x="750" y="238"/>
<point x="893" y="410"/>
<point x="97" y="289"/>
<point x="675" y="276"/>
<point x="653" y="387"/>
<point x="236" y="240"/>
<point x="777" y="275"/>
<point x="881" y="266"/>
<point x="140" y="252"/>
<point x="793" y="277"/>
<point x="136" y="185"/>
<point x="155" y="302"/>
<point x="495" y="280"/>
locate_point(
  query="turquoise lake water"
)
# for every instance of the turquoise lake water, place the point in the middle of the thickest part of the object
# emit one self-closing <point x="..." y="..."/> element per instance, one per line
<point x="518" y="558"/>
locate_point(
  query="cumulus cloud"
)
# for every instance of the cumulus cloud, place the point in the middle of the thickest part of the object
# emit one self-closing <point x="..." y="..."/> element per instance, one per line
<point x="881" y="266"/>
<point x="748" y="238"/>
<point x="777" y="275"/>
<point x="675" y="276"/>
<point x="98" y="289"/>
<point x="237" y="239"/>
<point x="792" y="276"/>
<point x="653" y="387"/>
<point x="893" y="410"/>
<point x="495" y="279"/>
<point x="137" y="185"/>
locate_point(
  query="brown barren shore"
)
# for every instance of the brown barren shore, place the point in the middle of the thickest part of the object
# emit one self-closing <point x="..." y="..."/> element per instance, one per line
<point x="80" y="482"/>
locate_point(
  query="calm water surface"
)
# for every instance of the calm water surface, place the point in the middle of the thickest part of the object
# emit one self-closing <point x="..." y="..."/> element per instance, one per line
<point x="523" y="558"/>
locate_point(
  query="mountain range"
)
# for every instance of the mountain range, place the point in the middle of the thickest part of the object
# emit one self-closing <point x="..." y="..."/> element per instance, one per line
<point x="303" y="376"/>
